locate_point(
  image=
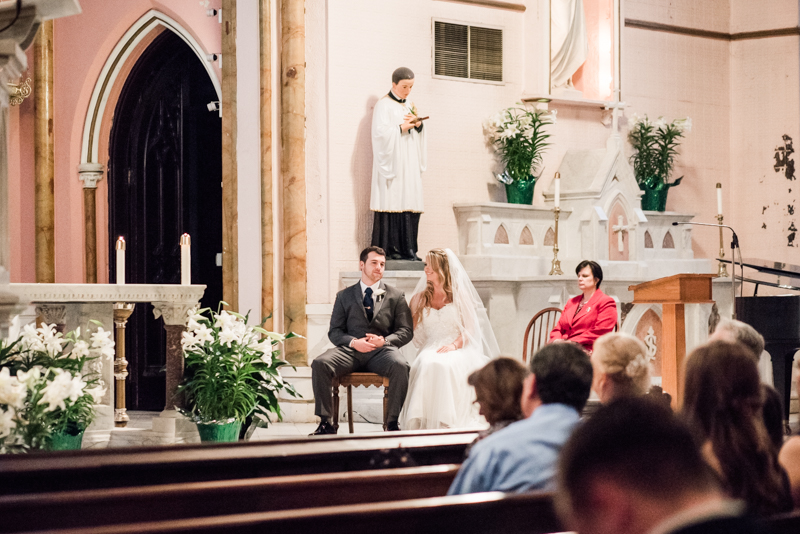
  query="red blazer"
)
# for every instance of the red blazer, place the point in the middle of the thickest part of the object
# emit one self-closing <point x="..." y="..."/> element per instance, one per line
<point x="597" y="317"/>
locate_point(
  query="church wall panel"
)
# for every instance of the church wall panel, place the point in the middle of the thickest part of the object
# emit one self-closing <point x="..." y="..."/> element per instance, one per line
<point x="82" y="44"/>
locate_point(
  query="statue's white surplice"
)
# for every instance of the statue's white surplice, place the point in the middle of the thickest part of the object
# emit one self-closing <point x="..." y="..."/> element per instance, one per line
<point x="398" y="159"/>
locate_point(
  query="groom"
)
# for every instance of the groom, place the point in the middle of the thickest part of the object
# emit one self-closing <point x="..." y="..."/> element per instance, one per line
<point x="369" y="324"/>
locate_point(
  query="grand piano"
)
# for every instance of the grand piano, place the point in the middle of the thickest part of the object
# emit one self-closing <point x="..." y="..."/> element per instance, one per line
<point x="776" y="317"/>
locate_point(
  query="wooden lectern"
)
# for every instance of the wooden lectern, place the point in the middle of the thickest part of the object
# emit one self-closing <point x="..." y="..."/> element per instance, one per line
<point x="673" y="293"/>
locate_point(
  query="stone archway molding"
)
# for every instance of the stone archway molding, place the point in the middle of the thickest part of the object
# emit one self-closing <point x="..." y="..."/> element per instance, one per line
<point x="114" y="65"/>
<point x="90" y="170"/>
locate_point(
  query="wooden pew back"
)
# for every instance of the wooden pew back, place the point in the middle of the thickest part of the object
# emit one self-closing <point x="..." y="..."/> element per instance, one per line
<point x="44" y="511"/>
<point x="115" y="468"/>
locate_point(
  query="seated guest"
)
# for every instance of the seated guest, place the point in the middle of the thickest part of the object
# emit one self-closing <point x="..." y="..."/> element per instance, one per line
<point x="589" y="315"/>
<point x="498" y="388"/>
<point x="522" y="456"/>
<point x="633" y="467"/>
<point x="722" y="404"/>
<point x="734" y="331"/>
<point x="621" y="368"/>
<point x="790" y="460"/>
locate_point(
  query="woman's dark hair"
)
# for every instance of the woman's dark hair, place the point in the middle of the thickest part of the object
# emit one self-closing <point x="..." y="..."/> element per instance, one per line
<point x="498" y="388"/>
<point x="722" y="403"/>
<point x="597" y="272"/>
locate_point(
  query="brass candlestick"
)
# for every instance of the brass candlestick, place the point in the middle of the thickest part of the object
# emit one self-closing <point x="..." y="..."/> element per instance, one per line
<point x="723" y="269"/>
<point x="556" y="268"/>
<point x="122" y="310"/>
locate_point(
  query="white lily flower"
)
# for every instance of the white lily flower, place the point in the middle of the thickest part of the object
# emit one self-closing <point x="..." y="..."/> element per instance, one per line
<point x="225" y="320"/>
<point x="101" y="338"/>
<point x="684" y="125"/>
<point x="31" y="339"/>
<point x="31" y="377"/>
<point x="204" y="335"/>
<point x="12" y="391"/>
<point x="56" y="392"/>
<point x="7" y="423"/>
<point x="227" y="336"/>
<point x="81" y="349"/>
<point x="97" y="393"/>
<point x="188" y="341"/>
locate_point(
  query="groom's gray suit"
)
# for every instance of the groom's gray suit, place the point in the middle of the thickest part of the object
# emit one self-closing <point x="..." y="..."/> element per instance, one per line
<point x="391" y="320"/>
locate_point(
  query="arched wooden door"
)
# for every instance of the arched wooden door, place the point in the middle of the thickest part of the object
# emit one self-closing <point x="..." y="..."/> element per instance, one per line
<point x="164" y="179"/>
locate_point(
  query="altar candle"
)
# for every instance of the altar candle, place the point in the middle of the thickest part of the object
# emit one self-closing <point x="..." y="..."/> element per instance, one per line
<point x="719" y="199"/>
<point x="186" y="260"/>
<point x="120" y="260"/>
<point x="557" y="198"/>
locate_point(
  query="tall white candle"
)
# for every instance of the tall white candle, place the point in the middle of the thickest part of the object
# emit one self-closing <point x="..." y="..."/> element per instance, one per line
<point x="120" y="260"/>
<point x="719" y="199"/>
<point x="557" y="199"/>
<point x="186" y="260"/>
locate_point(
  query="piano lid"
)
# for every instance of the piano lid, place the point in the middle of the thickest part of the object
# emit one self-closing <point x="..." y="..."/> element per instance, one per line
<point x="773" y="268"/>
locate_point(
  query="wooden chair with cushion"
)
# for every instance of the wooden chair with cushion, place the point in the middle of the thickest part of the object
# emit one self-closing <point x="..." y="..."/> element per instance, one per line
<point x="538" y="331"/>
<point x="357" y="379"/>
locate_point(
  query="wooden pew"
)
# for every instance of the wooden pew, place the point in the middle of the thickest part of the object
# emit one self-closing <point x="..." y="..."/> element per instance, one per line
<point x="115" y="468"/>
<point x="784" y="523"/>
<point x="84" y="508"/>
<point x="479" y="513"/>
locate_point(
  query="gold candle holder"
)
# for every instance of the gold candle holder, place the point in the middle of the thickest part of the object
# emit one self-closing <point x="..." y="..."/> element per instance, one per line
<point x="723" y="269"/>
<point x="556" y="266"/>
<point x="122" y="310"/>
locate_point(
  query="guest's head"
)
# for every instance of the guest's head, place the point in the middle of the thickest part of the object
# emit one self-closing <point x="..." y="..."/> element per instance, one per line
<point x="402" y="82"/>
<point x="621" y="367"/>
<point x="372" y="264"/>
<point x="722" y="403"/>
<point x="437" y="273"/>
<point x="590" y="275"/>
<point x="560" y="373"/>
<point x="629" y="467"/>
<point x="734" y="331"/>
<point x="498" y="388"/>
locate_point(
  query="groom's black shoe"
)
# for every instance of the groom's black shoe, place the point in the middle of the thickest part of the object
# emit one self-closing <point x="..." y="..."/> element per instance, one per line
<point x="413" y="255"/>
<point x="324" y="428"/>
<point x="392" y="426"/>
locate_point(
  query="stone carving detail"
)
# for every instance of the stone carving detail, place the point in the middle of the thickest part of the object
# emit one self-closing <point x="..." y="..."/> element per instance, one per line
<point x="52" y="314"/>
<point x="668" y="241"/>
<point x="713" y="319"/>
<point x="526" y="238"/>
<point x="648" y="239"/>
<point x="501" y="236"/>
<point x="549" y="238"/>
<point x="651" y="342"/>
<point x="172" y="313"/>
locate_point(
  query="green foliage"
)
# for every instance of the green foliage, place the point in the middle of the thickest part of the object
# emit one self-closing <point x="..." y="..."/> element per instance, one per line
<point x="656" y="147"/>
<point x="518" y="135"/>
<point x="231" y="369"/>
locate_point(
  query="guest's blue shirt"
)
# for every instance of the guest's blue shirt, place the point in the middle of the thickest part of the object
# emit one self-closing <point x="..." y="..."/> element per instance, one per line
<point x="521" y="457"/>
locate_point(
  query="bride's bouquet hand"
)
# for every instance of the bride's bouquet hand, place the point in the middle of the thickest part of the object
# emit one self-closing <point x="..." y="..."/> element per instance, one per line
<point x="447" y="348"/>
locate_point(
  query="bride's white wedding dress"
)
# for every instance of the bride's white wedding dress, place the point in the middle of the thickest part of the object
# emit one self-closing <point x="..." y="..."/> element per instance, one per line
<point x="438" y="393"/>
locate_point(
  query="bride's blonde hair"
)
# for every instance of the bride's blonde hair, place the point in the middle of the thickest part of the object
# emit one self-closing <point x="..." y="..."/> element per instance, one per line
<point x="437" y="261"/>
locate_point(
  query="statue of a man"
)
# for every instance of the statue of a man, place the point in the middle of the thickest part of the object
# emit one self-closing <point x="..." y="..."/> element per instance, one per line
<point x="568" y="42"/>
<point x="399" y="157"/>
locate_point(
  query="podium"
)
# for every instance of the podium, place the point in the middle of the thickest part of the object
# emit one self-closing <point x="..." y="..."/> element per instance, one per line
<point x="673" y="293"/>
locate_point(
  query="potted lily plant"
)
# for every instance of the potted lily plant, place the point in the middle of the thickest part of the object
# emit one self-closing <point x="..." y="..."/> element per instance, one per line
<point x="655" y="146"/>
<point x="519" y="138"/>
<point x="231" y="374"/>
<point x="49" y="386"/>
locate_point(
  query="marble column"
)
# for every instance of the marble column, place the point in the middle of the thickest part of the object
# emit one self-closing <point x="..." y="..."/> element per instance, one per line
<point x="90" y="174"/>
<point x="293" y="117"/>
<point x="174" y="316"/>
<point x="267" y="175"/>
<point x="230" y="214"/>
<point x="44" y="153"/>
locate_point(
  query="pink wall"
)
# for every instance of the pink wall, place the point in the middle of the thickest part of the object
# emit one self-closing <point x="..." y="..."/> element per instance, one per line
<point x="81" y="46"/>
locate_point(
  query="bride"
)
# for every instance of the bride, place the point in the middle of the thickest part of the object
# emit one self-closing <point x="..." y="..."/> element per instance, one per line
<point x="454" y="338"/>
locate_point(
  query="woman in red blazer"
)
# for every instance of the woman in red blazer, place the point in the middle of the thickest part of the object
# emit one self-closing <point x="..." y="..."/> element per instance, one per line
<point x="589" y="315"/>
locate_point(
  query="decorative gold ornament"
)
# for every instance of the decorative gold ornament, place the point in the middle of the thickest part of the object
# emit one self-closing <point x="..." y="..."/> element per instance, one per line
<point x="22" y="91"/>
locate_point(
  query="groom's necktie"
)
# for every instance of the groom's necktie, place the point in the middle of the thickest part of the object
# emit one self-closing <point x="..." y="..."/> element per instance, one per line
<point x="369" y="305"/>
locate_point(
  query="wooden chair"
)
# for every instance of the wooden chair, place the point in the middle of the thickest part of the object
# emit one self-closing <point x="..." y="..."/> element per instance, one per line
<point x="538" y="330"/>
<point x="357" y="379"/>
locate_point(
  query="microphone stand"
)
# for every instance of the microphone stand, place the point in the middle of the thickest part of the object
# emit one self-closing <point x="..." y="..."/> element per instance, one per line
<point x="734" y="246"/>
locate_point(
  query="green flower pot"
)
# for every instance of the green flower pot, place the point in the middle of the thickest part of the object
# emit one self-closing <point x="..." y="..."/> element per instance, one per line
<point x="64" y="441"/>
<point x="654" y="199"/>
<point x="520" y="191"/>
<point x="219" y="432"/>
